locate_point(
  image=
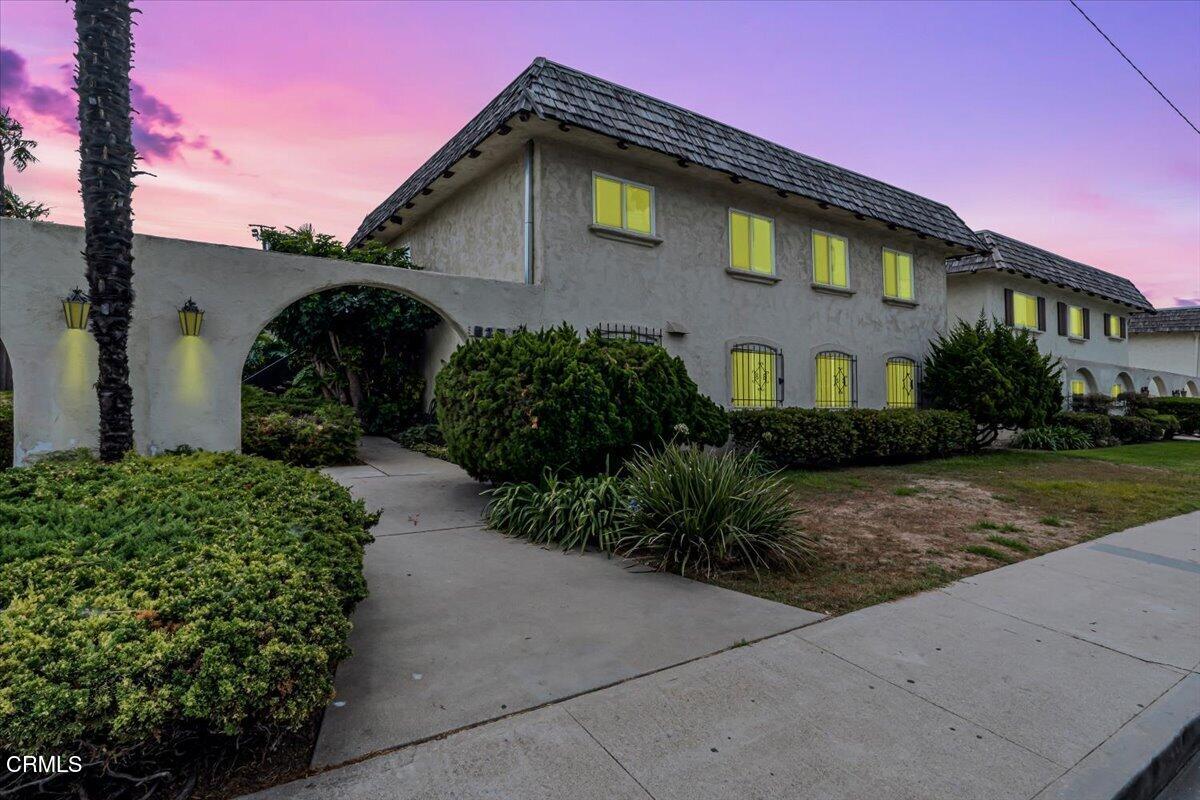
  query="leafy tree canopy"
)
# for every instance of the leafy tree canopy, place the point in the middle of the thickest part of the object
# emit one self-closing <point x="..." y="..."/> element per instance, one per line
<point x="15" y="148"/>
<point x="357" y="345"/>
<point x="994" y="373"/>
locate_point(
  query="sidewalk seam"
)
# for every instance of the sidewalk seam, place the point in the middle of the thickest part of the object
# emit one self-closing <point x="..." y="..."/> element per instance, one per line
<point x="609" y="752"/>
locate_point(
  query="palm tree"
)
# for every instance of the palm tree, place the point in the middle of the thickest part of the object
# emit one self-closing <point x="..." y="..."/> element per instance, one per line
<point x="106" y="157"/>
<point x="16" y="148"/>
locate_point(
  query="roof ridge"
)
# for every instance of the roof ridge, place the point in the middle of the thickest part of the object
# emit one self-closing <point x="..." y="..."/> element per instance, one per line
<point x="764" y="140"/>
<point x="1059" y="256"/>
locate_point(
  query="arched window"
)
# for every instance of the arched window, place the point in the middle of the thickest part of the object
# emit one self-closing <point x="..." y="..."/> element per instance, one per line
<point x="837" y="386"/>
<point x="903" y="382"/>
<point x="756" y="376"/>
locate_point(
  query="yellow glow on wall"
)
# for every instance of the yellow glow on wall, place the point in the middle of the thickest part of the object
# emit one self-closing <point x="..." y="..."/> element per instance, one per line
<point x="194" y="369"/>
<point x="75" y="354"/>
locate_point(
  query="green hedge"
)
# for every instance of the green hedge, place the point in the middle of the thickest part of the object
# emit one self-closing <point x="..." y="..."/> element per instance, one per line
<point x="1185" y="409"/>
<point x="155" y="603"/>
<point x="1098" y="427"/>
<point x="298" y="430"/>
<point x="514" y="406"/>
<point x="805" y="437"/>
<point x="1131" y="429"/>
<point x="6" y="430"/>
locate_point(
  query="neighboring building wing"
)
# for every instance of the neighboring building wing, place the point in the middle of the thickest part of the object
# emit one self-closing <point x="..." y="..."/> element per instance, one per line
<point x="553" y="91"/>
<point x="1033" y="262"/>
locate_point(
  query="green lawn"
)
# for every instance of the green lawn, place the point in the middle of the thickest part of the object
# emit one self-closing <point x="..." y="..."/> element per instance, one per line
<point x="887" y="531"/>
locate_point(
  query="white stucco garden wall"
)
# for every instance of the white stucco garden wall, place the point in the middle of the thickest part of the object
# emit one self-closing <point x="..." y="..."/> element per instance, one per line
<point x="186" y="389"/>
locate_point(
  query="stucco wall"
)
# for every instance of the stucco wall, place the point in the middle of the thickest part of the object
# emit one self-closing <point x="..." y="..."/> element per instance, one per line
<point x="1173" y="352"/>
<point x="186" y="390"/>
<point x="590" y="280"/>
<point x="477" y="229"/>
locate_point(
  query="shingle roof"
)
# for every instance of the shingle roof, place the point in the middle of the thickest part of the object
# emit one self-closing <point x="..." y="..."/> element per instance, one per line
<point x="553" y="91"/>
<point x="1010" y="254"/>
<point x="1184" y="319"/>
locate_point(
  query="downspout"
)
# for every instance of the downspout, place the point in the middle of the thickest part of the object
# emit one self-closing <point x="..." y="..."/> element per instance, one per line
<point x="529" y="212"/>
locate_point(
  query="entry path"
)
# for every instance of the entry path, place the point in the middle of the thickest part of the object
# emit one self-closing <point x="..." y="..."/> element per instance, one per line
<point x="464" y="625"/>
<point x="1059" y="677"/>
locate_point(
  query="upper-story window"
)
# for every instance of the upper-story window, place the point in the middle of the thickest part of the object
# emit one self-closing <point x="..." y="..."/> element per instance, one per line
<point x="897" y="275"/>
<point x="1073" y="321"/>
<point x="622" y="205"/>
<point x="829" y="260"/>
<point x="1114" y="326"/>
<point x="751" y="243"/>
<point x="1024" y="310"/>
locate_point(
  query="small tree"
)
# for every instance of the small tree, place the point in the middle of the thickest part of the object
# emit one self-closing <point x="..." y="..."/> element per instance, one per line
<point x="359" y="346"/>
<point x="16" y="148"/>
<point x="994" y="373"/>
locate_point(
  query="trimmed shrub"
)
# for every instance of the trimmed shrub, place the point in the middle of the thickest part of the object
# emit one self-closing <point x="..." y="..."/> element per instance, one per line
<point x="806" y="437"/>
<point x="513" y="406"/>
<point x="6" y="430"/>
<point x="1052" y="437"/>
<point x="1169" y="423"/>
<point x="695" y="513"/>
<point x="1097" y="427"/>
<point x="298" y="430"/>
<point x="156" y="608"/>
<point x="1131" y="429"/>
<point x="578" y="513"/>
<point x="1185" y="409"/>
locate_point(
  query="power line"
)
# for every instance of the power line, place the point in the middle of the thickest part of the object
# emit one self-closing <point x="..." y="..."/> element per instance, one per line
<point x="1135" y="66"/>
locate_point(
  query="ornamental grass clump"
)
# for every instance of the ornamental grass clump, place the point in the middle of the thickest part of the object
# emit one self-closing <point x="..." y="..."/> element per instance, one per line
<point x="695" y="513"/>
<point x="574" y="514"/>
<point x="1052" y="437"/>
<point x="154" y="610"/>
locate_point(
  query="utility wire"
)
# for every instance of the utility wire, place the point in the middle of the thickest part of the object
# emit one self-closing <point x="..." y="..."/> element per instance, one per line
<point x="1135" y="66"/>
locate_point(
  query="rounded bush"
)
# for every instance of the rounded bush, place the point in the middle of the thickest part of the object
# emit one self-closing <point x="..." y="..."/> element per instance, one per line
<point x="513" y="406"/>
<point x="301" y="431"/>
<point x="149" y="605"/>
<point x="1097" y="427"/>
<point x="1131" y="429"/>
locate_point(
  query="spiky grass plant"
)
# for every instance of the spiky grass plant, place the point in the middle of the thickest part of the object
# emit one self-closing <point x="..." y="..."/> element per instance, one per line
<point x="695" y="513"/>
<point x="575" y="513"/>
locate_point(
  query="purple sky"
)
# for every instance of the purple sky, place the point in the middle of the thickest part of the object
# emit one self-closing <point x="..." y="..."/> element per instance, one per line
<point x="1017" y="115"/>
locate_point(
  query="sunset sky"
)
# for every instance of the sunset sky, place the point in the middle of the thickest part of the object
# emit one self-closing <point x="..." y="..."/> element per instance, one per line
<point x="1017" y="115"/>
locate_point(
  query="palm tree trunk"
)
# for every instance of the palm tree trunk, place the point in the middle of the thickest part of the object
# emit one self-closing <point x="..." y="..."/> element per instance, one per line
<point x="106" y="183"/>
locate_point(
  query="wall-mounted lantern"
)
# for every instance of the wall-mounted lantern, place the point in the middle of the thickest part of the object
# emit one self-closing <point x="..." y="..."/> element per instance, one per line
<point x="191" y="317"/>
<point x="76" y="307"/>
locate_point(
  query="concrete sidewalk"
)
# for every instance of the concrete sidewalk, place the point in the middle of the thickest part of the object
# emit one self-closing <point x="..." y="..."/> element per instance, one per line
<point x="1059" y="677"/>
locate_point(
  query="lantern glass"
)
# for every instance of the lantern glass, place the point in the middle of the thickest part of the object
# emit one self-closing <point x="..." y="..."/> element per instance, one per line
<point x="76" y="309"/>
<point x="190" y="321"/>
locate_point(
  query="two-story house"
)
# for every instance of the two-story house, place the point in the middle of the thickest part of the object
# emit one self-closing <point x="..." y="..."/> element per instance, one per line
<point x="779" y="279"/>
<point x="1077" y="312"/>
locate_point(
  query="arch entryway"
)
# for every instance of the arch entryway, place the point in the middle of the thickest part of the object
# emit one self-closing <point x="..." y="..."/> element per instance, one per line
<point x="1158" y="387"/>
<point x="1082" y="383"/>
<point x="1191" y="389"/>
<point x="1123" y="384"/>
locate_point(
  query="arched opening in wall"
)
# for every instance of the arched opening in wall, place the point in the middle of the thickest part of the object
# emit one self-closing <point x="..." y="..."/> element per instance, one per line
<point x="342" y="354"/>
<point x="6" y="409"/>
<point x="1122" y="385"/>
<point x="1158" y="387"/>
<point x="1082" y="383"/>
<point x="1191" y="389"/>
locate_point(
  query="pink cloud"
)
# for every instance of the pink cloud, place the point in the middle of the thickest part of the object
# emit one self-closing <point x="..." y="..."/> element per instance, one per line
<point x="156" y="134"/>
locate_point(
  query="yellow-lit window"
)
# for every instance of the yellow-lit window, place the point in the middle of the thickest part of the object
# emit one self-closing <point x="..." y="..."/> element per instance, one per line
<point x="901" y="383"/>
<point x="897" y="275"/>
<point x="1116" y="390"/>
<point x="751" y="243"/>
<point x="622" y="204"/>
<point x="1114" y="326"/>
<point x="829" y="260"/>
<point x="835" y="380"/>
<point x="1025" y="310"/>
<point x="1075" y="322"/>
<point x="1078" y="387"/>
<point x="754" y="377"/>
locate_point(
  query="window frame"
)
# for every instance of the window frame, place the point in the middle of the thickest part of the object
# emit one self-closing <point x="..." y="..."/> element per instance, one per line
<point x="750" y="244"/>
<point x="852" y="386"/>
<point x="912" y="276"/>
<point x="915" y="373"/>
<point x="1019" y="325"/>
<point x="624" y="210"/>
<point x="1082" y="385"/>
<point x="813" y="255"/>
<point x="1071" y="334"/>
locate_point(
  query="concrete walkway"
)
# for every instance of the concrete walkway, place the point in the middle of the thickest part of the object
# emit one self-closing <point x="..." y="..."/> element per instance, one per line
<point x="1060" y="677"/>
<point x="464" y="625"/>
